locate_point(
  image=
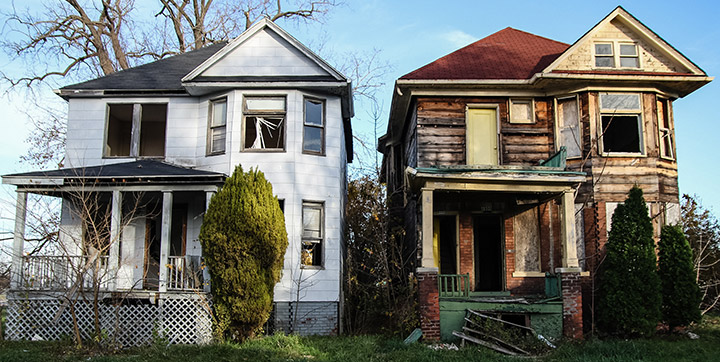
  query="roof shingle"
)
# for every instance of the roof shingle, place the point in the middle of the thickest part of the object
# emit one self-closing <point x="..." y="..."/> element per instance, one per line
<point x="506" y="54"/>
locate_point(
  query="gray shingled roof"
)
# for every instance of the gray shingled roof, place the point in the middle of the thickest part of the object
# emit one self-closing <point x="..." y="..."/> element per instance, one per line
<point x="163" y="74"/>
<point x="134" y="169"/>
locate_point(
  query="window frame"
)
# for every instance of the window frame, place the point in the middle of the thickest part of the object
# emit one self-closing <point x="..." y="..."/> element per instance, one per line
<point x="322" y="127"/>
<point x="615" y="46"/>
<point x="530" y="102"/>
<point x="621" y="56"/>
<point x="258" y="113"/>
<point x="135" y="130"/>
<point x="638" y="113"/>
<point x="320" y="205"/>
<point x="211" y="113"/>
<point x="559" y="121"/>
<point x="668" y="130"/>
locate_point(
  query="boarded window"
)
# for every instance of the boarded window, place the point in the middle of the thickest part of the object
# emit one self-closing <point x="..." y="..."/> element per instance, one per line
<point x="136" y="130"/>
<point x="313" y="130"/>
<point x="527" y="241"/>
<point x="664" y="129"/>
<point x="264" y="123"/>
<point x="569" y="124"/>
<point x="521" y="111"/>
<point x="621" y="122"/>
<point x="313" y="233"/>
<point x="218" y="125"/>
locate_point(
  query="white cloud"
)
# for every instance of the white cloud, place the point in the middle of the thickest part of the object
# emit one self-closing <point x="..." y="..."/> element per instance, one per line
<point x="458" y="38"/>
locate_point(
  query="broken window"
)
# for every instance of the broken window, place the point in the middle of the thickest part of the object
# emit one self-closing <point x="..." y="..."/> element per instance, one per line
<point x="313" y="234"/>
<point x="526" y="228"/>
<point x="666" y="137"/>
<point x="569" y="126"/>
<point x="218" y="122"/>
<point x="136" y="130"/>
<point x="521" y="111"/>
<point x="621" y="123"/>
<point x="313" y="130"/>
<point x="264" y="123"/>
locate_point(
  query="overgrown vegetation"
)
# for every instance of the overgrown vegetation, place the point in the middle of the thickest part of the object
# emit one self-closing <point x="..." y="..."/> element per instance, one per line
<point x="377" y="348"/>
<point x="629" y="288"/>
<point x="702" y="230"/>
<point x="379" y="295"/>
<point x="244" y="241"/>
<point x="680" y="293"/>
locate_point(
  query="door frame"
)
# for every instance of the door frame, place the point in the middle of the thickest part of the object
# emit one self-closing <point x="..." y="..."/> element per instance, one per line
<point x="503" y="249"/>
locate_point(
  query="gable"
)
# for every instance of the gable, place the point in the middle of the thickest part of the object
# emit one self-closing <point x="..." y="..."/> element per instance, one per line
<point x="655" y="55"/>
<point x="265" y="53"/>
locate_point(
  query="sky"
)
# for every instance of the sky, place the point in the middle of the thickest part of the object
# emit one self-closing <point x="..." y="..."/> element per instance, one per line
<point x="410" y="34"/>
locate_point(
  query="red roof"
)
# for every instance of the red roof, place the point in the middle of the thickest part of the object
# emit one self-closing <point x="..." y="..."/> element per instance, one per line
<point x="507" y="54"/>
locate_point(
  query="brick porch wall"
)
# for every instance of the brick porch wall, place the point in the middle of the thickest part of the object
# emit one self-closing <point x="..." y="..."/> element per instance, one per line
<point x="429" y="304"/>
<point x="572" y="304"/>
<point x="465" y="240"/>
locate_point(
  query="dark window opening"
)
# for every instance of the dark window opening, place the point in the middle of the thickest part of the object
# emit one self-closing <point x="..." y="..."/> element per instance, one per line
<point x="152" y="130"/>
<point x="264" y="133"/>
<point x="448" y="248"/>
<point x="136" y="130"/>
<point x="621" y="133"/>
<point x="119" y="135"/>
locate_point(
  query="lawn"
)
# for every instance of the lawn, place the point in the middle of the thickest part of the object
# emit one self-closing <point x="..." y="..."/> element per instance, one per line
<point x="374" y="348"/>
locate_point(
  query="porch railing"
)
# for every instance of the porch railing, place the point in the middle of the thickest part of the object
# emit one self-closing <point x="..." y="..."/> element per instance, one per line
<point x="185" y="272"/>
<point x="454" y="285"/>
<point x="63" y="272"/>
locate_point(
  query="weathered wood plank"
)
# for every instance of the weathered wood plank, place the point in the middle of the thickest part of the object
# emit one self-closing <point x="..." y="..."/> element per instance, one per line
<point x="492" y="346"/>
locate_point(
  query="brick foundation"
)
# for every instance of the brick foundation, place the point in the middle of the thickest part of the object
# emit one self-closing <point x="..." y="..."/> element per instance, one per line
<point x="429" y="304"/>
<point x="572" y="304"/>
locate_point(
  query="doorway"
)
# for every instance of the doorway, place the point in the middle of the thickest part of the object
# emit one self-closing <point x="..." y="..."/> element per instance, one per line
<point x="488" y="232"/>
<point x="445" y="240"/>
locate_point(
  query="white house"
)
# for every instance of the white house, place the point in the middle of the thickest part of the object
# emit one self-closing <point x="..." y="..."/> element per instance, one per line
<point x="151" y="144"/>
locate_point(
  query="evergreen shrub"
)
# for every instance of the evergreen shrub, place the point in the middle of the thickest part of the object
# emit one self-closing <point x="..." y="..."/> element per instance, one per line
<point x="680" y="293"/>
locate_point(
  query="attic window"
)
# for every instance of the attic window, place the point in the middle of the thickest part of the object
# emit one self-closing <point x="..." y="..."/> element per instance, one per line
<point x="629" y="56"/>
<point x="264" y="127"/>
<point x="521" y="111"/>
<point x="621" y="123"/>
<point x="604" y="55"/>
<point x="612" y="54"/>
<point x="136" y="130"/>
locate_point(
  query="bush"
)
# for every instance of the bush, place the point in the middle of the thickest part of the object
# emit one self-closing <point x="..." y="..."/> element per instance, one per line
<point x="629" y="297"/>
<point x="244" y="241"/>
<point x="680" y="293"/>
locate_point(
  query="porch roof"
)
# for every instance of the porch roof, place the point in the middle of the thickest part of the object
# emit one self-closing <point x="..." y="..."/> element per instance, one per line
<point x="147" y="172"/>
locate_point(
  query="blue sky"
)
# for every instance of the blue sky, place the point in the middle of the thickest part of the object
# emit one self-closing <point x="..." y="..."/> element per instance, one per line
<point x="410" y="34"/>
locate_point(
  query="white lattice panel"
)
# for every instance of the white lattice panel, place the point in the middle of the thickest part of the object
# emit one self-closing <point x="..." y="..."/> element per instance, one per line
<point x="180" y="320"/>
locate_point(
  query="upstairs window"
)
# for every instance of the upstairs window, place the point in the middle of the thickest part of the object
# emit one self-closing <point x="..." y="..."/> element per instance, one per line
<point x="569" y="126"/>
<point x="616" y="55"/>
<point x="621" y="123"/>
<point x="264" y="126"/>
<point x="314" y="127"/>
<point x="218" y="125"/>
<point x="664" y="129"/>
<point x="136" y="130"/>
<point x="313" y="234"/>
<point x="521" y="111"/>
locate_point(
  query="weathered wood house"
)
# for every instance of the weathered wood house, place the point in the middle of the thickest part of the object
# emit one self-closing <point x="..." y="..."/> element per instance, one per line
<point x="146" y="149"/>
<point x="506" y="159"/>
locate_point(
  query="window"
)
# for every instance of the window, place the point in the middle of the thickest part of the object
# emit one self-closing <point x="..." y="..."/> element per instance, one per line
<point x="666" y="137"/>
<point x="526" y="226"/>
<point x="313" y="234"/>
<point x="569" y="126"/>
<point x="521" y="111"/>
<point x="313" y="130"/>
<point x="611" y="54"/>
<point x="136" y="130"/>
<point x="264" y="123"/>
<point x="621" y="123"/>
<point x="218" y="123"/>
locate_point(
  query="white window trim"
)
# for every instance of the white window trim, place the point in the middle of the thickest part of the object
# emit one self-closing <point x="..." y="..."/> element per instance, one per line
<point x="531" y="102"/>
<point x="616" y="54"/>
<point x="661" y="144"/>
<point x="246" y="114"/>
<point x="136" y="126"/>
<point x="211" y="109"/>
<point x="323" y="127"/>
<point x="558" y="128"/>
<point x="610" y="112"/>
<point x="323" y="236"/>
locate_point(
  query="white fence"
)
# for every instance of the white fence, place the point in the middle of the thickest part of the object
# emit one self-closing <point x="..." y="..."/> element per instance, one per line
<point x="63" y="272"/>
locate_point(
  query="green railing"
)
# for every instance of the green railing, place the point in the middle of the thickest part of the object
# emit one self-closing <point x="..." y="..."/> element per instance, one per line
<point x="454" y="285"/>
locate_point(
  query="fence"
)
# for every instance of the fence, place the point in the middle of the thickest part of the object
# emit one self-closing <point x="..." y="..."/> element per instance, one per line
<point x="454" y="285"/>
<point x="63" y="272"/>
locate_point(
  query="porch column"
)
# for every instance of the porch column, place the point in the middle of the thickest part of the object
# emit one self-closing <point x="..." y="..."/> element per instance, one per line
<point x="570" y="278"/>
<point x="206" y="271"/>
<point x="428" y="259"/>
<point x="18" y="239"/>
<point x="115" y="225"/>
<point x="165" y="239"/>
<point x="569" y="237"/>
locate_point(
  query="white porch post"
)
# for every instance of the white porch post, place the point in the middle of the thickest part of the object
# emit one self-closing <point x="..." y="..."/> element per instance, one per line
<point x="569" y="237"/>
<point x="206" y="271"/>
<point x="165" y="239"/>
<point x="18" y="239"/>
<point x="428" y="259"/>
<point x="114" y="255"/>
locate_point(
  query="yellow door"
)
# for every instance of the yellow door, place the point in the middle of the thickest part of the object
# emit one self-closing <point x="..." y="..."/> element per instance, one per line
<point x="481" y="137"/>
